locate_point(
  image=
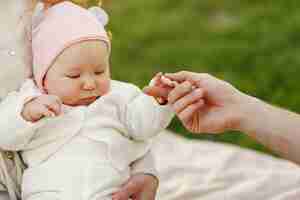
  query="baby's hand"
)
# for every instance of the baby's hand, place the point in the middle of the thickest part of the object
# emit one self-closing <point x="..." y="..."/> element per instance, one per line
<point x="41" y="106"/>
<point x="160" y="87"/>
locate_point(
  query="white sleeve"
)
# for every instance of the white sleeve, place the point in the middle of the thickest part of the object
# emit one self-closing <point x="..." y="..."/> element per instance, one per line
<point x="145" y="165"/>
<point x="144" y="117"/>
<point x="15" y="131"/>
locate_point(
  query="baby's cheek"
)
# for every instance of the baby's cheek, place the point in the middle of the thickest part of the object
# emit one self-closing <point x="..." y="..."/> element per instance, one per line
<point x="104" y="86"/>
<point x="70" y="91"/>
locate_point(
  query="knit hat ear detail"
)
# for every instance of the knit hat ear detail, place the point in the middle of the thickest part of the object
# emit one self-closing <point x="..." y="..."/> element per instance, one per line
<point x="100" y="14"/>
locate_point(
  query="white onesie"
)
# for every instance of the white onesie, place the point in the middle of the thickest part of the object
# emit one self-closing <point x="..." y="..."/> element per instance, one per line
<point x="85" y="153"/>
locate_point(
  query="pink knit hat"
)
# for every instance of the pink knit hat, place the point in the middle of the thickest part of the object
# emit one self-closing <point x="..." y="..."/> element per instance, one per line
<point x="62" y="26"/>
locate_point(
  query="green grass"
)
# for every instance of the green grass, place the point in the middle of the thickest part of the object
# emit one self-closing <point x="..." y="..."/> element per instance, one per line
<point x="253" y="44"/>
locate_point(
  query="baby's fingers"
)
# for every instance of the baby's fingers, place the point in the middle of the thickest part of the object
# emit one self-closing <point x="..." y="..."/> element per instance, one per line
<point x="40" y="112"/>
<point x="55" y="108"/>
<point x="155" y="81"/>
<point x="48" y="113"/>
<point x="54" y="105"/>
<point x="158" y="92"/>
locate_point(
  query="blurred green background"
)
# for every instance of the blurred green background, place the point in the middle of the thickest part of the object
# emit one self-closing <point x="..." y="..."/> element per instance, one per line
<point x="253" y="44"/>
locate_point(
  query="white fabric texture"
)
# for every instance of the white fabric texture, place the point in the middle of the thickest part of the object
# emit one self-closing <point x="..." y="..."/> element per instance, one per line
<point x="14" y="48"/>
<point x="194" y="170"/>
<point x="120" y="123"/>
<point x="14" y="44"/>
<point x="80" y="170"/>
<point x="12" y="169"/>
<point x="4" y="196"/>
<point x="189" y="170"/>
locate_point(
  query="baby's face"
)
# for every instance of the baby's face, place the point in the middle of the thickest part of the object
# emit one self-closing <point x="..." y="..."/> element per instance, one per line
<point x="80" y="74"/>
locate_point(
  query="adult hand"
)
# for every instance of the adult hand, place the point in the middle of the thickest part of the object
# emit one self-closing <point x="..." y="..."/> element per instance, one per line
<point x="138" y="187"/>
<point x="202" y="102"/>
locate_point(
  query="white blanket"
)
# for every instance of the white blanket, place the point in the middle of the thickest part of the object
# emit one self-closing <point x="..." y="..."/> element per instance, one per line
<point x="200" y="170"/>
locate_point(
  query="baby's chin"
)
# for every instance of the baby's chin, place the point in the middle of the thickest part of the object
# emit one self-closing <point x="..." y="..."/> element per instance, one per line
<point x="82" y="102"/>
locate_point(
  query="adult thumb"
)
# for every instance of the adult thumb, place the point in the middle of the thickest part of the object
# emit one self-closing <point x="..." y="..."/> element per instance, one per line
<point x="126" y="191"/>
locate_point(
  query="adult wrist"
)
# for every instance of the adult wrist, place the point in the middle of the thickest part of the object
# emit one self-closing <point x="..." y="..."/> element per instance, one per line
<point x="252" y="112"/>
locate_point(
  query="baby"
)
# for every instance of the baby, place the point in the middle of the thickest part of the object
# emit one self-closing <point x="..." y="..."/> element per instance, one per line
<point x="79" y="131"/>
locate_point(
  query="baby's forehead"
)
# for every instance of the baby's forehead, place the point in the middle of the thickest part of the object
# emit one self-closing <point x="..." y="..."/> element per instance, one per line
<point x="86" y="54"/>
<point x="93" y="52"/>
<point x="86" y="48"/>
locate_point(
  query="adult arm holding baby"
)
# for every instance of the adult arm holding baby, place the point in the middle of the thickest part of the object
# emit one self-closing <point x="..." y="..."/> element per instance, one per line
<point x="206" y="104"/>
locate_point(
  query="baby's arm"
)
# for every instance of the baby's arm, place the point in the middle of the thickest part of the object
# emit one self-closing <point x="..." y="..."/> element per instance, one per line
<point x="16" y="132"/>
<point x="145" y="165"/>
<point x="144" y="117"/>
<point x="143" y="183"/>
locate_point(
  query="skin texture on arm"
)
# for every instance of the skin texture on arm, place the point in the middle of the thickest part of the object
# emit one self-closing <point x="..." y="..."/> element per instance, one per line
<point x="214" y="106"/>
<point x="274" y="127"/>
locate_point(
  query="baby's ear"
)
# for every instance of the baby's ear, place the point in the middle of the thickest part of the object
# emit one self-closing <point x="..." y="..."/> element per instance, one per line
<point x="100" y="14"/>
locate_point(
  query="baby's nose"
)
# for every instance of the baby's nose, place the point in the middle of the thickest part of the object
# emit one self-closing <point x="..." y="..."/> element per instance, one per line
<point x="89" y="84"/>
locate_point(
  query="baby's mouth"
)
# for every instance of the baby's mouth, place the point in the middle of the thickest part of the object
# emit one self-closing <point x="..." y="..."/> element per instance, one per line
<point x="88" y="100"/>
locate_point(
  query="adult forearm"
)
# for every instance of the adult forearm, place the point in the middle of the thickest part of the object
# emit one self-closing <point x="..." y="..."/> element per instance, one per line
<point x="276" y="128"/>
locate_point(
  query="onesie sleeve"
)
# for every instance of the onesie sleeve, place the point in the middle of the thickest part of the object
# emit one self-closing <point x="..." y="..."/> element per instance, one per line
<point x="143" y="117"/>
<point x="15" y="131"/>
<point x="145" y="165"/>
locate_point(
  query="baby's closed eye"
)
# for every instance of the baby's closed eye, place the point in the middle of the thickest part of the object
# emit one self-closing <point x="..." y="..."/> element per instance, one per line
<point x="73" y="75"/>
<point x="99" y="72"/>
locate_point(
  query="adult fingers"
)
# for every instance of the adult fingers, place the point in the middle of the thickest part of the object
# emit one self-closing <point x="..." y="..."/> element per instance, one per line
<point x="197" y="79"/>
<point x="190" y="112"/>
<point x="179" y="91"/>
<point x="129" y="189"/>
<point x="192" y="97"/>
<point x="120" y="196"/>
<point x="146" y="195"/>
<point x="179" y="76"/>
